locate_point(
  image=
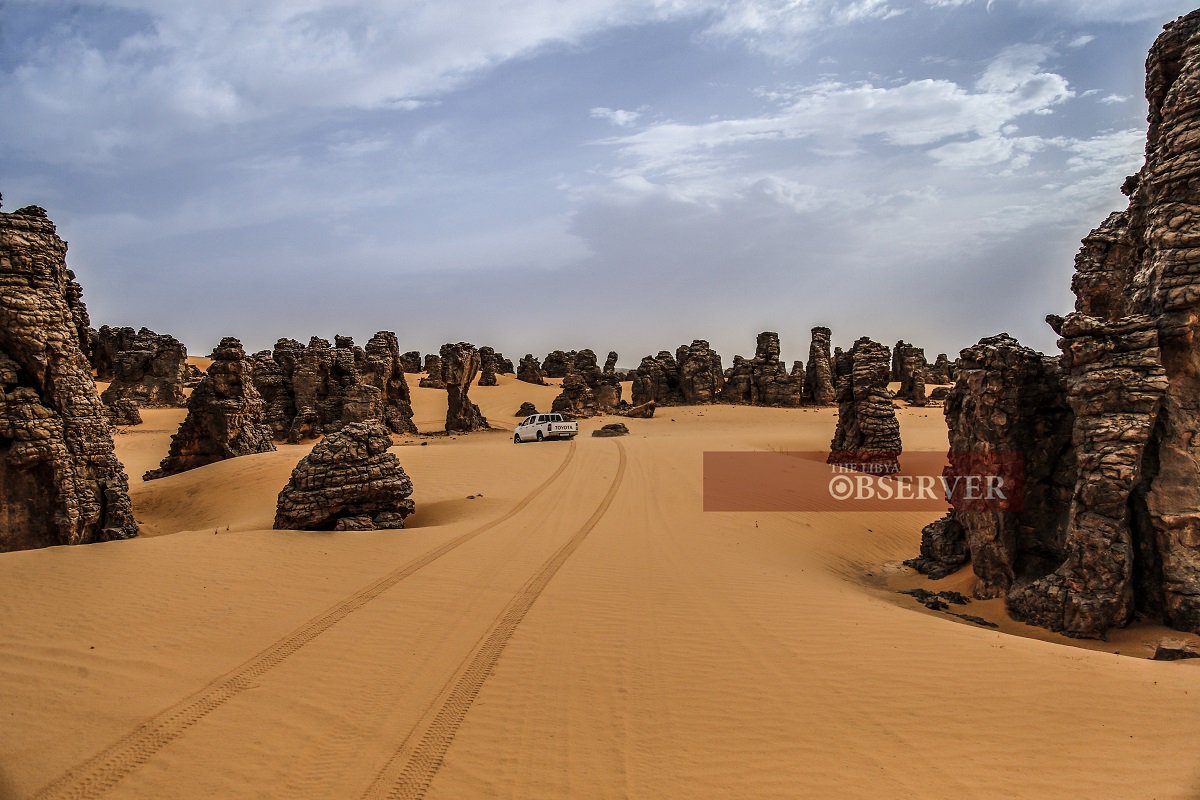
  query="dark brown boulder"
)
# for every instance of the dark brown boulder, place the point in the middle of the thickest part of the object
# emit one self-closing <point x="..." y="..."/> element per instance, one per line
<point x="941" y="371"/>
<point x="657" y="380"/>
<point x="943" y="548"/>
<point x="348" y="482"/>
<point x="383" y="369"/>
<point x="530" y="371"/>
<point x="60" y="481"/>
<point x="460" y="365"/>
<point x="106" y="344"/>
<point x="576" y="399"/>
<point x="225" y="416"/>
<point x="701" y="378"/>
<point x="643" y="411"/>
<point x="124" y="412"/>
<point x="868" y="434"/>
<point x="612" y="429"/>
<point x="557" y="363"/>
<point x="763" y="380"/>
<point x="610" y="363"/>
<point x="526" y="409"/>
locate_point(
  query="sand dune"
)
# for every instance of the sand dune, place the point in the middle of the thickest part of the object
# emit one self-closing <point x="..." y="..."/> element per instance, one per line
<point x="581" y="628"/>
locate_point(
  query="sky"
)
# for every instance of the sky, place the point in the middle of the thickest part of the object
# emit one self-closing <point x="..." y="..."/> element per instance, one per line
<point x="623" y="175"/>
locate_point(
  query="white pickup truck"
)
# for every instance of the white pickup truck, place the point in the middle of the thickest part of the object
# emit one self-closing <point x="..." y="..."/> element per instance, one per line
<point x="537" y="427"/>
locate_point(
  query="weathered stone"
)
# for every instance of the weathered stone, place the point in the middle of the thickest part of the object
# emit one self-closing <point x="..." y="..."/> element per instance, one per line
<point x="124" y="412"/>
<point x="383" y="369"/>
<point x="701" y="378"/>
<point x="909" y="368"/>
<point x="526" y="409"/>
<point x="557" y="363"/>
<point x="348" y="482"/>
<point x="433" y="373"/>
<point x="612" y="429"/>
<point x="642" y="411"/>
<point x="657" y="379"/>
<point x="530" y="371"/>
<point x="225" y="416"/>
<point x="487" y="366"/>
<point x="504" y="366"/>
<point x="576" y="399"/>
<point x="868" y="434"/>
<point x="943" y="548"/>
<point x="149" y="373"/>
<point x="106" y="344"/>
<point x="411" y="362"/>
<point x="763" y="380"/>
<point x="60" y="481"/>
<point x="818" y="376"/>
<point x="941" y="371"/>
<point x="594" y="391"/>
<point x="610" y="363"/>
<point x="940" y="393"/>
<point x="460" y="365"/>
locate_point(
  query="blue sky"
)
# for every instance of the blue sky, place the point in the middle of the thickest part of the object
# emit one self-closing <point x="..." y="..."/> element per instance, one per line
<point x="596" y="173"/>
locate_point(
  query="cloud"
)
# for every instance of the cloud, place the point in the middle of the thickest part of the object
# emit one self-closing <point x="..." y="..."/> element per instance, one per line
<point x="1081" y="41"/>
<point x="618" y="117"/>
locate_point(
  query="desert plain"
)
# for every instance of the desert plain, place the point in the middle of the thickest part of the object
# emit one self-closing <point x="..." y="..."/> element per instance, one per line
<point x="560" y="619"/>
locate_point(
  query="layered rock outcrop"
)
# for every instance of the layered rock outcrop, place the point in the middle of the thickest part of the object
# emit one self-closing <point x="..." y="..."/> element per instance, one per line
<point x="818" y="375"/>
<point x="411" y="362"/>
<point x="912" y="376"/>
<point x="587" y="389"/>
<point x="433" y="373"/>
<point x="763" y="380"/>
<point x="557" y="363"/>
<point x="526" y="409"/>
<point x="941" y="370"/>
<point x="530" y="371"/>
<point x="487" y="366"/>
<point x="868" y="434"/>
<point x="308" y="391"/>
<point x="105" y="344"/>
<point x="460" y="365"/>
<point x="1115" y="526"/>
<point x="349" y="482"/>
<point x="60" y="481"/>
<point x="150" y="373"/>
<point x="225" y="416"/>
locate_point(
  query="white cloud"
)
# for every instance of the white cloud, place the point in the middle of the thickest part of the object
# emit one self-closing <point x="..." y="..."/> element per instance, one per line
<point x="616" y="116"/>
<point x="1112" y="99"/>
<point x="1082" y="40"/>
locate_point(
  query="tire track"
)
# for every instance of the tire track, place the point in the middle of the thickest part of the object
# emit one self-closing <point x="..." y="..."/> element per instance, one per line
<point x="94" y="777"/>
<point x="410" y="780"/>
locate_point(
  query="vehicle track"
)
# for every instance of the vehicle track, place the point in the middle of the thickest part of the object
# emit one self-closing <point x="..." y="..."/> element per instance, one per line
<point x="410" y="779"/>
<point x="94" y="777"/>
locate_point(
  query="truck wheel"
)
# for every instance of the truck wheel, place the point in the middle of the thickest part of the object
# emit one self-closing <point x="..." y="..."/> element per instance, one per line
<point x="516" y="438"/>
<point x="539" y="436"/>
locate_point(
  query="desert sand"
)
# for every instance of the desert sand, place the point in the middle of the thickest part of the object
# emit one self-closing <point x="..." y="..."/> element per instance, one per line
<point x="559" y="620"/>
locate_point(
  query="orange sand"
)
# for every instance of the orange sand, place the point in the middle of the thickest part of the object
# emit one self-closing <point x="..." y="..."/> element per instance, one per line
<point x="579" y="629"/>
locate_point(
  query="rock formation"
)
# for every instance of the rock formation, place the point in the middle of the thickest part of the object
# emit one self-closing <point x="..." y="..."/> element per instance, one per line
<point x="642" y="411"/>
<point x="60" y="482"/>
<point x="557" y="364"/>
<point x="587" y="389"/>
<point x="349" y="482"/>
<point x="460" y="365"/>
<point x="701" y="378"/>
<point x="411" y="362"/>
<point x="909" y="368"/>
<point x="610" y="363"/>
<point x="576" y="399"/>
<point x="763" y="380"/>
<point x="1118" y="530"/>
<point x="225" y="416"/>
<point x="150" y="372"/>
<point x="105" y="345"/>
<point x="657" y="380"/>
<point x="612" y="429"/>
<point x="526" y="409"/>
<point x="504" y="366"/>
<point x="308" y="391"/>
<point x="433" y="373"/>
<point x="530" y="371"/>
<point x="818" y="376"/>
<point x="868" y="433"/>
<point x="124" y="412"/>
<point x="487" y="366"/>
<point x="941" y="371"/>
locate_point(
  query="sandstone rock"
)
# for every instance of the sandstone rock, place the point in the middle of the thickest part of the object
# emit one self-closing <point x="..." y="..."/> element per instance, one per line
<point x="348" y="482"/>
<point x="612" y="429"/>
<point x="577" y="399"/>
<point x="60" y="482"/>
<point x="225" y="416"/>
<point x="526" y="409"/>
<point x="643" y="411"/>
<point x="908" y="368"/>
<point x="610" y="363"/>
<point x="460" y="365"/>
<point x="557" y="364"/>
<point x="867" y="434"/>
<point x="763" y="380"/>
<point x="818" y="377"/>
<point x="487" y="366"/>
<point x="943" y="548"/>
<point x="433" y="373"/>
<point x="586" y="389"/>
<point x="1115" y="526"/>
<point x="411" y="362"/>
<point x="701" y="378"/>
<point x="530" y="371"/>
<point x="383" y="369"/>
<point x="940" y="393"/>
<point x="124" y="412"/>
<point x="941" y="371"/>
<point x="657" y="380"/>
<point x="504" y="366"/>
<point x="106" y="344"/>
<point x="150" y="372"/>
